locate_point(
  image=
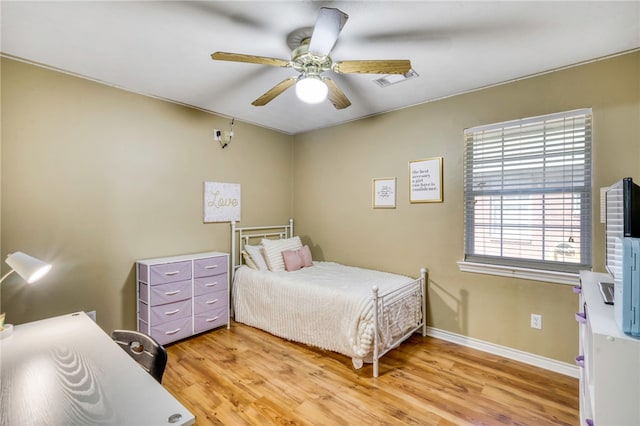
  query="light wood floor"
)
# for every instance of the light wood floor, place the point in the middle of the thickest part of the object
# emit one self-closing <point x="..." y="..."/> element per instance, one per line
<point x="244" y="376"/>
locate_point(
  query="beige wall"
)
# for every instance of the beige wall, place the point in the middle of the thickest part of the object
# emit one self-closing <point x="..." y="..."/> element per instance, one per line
<point x="94" y="178"/>
<point x="333" y="169"/>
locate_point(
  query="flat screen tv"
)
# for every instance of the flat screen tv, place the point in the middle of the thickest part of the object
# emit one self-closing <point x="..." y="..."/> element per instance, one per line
<point x="622" y="220"/>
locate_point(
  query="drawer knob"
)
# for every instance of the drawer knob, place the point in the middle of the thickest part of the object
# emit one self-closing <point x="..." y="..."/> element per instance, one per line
<point x="211" y="267"/>
<point x="172" y="272"/>
<point x="171" y="293"/>
<point x="210" y="302"/>
<point x="172" y="331"/>
<point x="211" y="284"/>
<point x="175" y="311"/>
<point x="212" y="319"/>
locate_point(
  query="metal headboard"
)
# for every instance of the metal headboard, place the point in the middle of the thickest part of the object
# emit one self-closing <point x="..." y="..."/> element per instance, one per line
<point x="242" y="236"/>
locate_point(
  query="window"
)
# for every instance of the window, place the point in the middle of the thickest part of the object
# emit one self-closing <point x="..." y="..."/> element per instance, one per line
<point x="527" y="193"/>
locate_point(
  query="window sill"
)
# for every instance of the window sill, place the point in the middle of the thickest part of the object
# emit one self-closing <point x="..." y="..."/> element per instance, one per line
<point x="523" y="273"/>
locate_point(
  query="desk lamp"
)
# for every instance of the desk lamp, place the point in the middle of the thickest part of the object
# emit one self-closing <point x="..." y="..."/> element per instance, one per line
<point x="30" y="269"/>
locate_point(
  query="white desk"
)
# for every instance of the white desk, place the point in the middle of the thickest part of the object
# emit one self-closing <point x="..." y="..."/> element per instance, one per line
<point x="66" y="370"/>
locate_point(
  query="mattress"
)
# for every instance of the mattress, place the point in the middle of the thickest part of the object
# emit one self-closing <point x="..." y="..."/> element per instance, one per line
<point x="328" y="305"/>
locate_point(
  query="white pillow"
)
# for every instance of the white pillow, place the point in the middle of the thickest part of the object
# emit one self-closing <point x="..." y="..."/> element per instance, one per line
<point x="248" y="260"/>
<point x="256" y="255"/>
<point x="272" y="251"/>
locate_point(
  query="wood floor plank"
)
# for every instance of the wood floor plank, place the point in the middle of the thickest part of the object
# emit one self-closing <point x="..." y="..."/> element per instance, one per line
<point x="244" y="376"/>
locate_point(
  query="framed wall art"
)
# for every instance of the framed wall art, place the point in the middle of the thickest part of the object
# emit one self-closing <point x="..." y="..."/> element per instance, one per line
<point x="221" y="202"/>
<point x="425" y="180"/>
<point x="384" y="193"/>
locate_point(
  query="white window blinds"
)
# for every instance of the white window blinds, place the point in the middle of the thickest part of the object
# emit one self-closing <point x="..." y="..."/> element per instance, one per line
<point x="527" y="192"/>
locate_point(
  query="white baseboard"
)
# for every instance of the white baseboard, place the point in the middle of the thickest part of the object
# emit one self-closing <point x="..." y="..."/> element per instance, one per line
<point x="525" y="357"/>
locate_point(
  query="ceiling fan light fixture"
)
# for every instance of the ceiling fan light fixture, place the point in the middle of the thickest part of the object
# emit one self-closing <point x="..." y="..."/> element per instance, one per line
<point x="311" y="89"/>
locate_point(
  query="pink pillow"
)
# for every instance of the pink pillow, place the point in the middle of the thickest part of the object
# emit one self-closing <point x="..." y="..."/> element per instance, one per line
<point x="297" y="259"/>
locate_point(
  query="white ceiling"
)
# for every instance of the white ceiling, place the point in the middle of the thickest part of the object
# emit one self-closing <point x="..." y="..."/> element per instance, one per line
<point x="163" y="48"/>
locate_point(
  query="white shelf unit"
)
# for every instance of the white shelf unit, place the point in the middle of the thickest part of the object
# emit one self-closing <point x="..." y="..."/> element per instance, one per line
<point x="610" y="377"/>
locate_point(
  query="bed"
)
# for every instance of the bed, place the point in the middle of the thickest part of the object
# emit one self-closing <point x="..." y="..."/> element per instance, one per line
<point x="360" y="313"/>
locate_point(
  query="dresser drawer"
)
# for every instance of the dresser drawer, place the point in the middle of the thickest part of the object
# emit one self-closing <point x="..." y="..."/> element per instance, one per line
<point x="211" y="319"/>
<point x="209" y="301"/>
<point x="165" y="313"/>
<point x="209" y="266"/>
<point x="206" y="285"/>
<point x="165" y="293"/>
<point x="169" y="331"/>
<point x="176" y="292"/>
<point x="169" y="272"/>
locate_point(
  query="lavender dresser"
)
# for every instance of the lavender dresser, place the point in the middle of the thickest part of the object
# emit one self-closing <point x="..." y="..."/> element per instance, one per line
<point x="180" y="296"/>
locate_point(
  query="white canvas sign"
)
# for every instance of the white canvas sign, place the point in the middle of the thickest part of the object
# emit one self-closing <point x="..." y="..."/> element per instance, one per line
<point x="221" y="202"/>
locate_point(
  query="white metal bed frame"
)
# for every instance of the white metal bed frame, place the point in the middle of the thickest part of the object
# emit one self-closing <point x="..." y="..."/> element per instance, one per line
<point x="240" y="236"/>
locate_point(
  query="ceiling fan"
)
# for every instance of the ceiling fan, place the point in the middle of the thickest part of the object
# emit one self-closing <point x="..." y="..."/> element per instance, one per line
<point x="310" y="57"/>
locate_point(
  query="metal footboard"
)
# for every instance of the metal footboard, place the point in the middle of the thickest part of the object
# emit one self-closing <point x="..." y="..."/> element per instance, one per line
<point x="392" y="302"/>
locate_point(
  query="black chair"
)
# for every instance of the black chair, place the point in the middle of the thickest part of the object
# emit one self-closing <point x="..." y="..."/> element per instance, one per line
<point x="151" y="355"/>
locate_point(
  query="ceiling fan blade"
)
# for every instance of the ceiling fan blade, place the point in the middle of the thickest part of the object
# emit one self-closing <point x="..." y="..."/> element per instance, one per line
<point x="274" y="91"/>
<point x="401" y="66"/>
<point x="325" y="33"/>
<point x="239" y="57"/>
<point x="336" y="96"/>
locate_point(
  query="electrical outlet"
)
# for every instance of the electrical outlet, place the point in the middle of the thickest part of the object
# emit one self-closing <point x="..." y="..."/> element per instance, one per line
<point x="536" y="321"/>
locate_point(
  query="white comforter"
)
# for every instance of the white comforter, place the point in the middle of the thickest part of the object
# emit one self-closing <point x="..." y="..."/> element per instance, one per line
<point x="327" y="305"/>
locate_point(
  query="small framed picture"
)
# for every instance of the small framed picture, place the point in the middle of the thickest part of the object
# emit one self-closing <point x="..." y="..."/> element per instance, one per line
<point x="384" y="193"/>
<point x="425" y="180"/>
